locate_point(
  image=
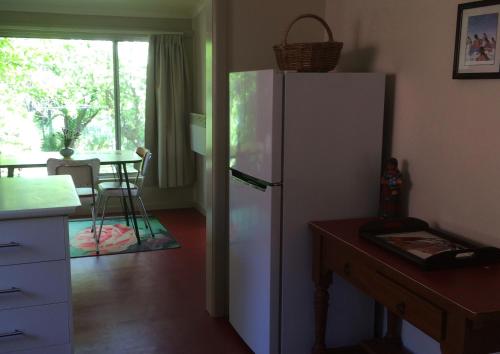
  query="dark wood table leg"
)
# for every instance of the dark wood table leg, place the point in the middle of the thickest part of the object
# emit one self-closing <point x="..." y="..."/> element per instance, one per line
<point x="10" y="171"/>
<point x="460" y="338"/>
<point x="321" y="299"/>
<point x="393" y="327"/>
<point x="132" y="209"/>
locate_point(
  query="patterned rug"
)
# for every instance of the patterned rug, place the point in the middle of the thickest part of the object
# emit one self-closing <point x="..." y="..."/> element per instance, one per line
<point x="117" y="237"/>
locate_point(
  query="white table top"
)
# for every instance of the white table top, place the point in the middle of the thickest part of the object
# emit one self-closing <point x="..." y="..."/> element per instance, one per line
<point x="37" y="197"/>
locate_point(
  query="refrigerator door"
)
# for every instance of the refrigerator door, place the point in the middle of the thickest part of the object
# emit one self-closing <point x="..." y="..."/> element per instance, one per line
<point x="254" y="258"/>
<point x="256" y="123"/>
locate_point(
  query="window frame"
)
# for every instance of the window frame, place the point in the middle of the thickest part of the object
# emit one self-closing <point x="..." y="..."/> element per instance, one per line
<point x="114" y="38"/>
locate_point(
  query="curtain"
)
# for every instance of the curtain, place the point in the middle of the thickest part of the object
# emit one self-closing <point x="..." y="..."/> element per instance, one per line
<point x="168" y="94"/>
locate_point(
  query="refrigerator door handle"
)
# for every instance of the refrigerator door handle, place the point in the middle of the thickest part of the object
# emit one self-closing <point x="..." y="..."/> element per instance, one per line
<point x="251" y="181"/>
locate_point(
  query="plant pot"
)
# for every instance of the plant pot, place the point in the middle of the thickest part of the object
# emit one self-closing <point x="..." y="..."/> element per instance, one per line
<point x="67" y="152"/>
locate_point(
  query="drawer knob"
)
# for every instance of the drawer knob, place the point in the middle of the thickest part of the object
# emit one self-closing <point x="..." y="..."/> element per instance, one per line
<point x="10" y="291"/>
<point x="14" y="333"/>
<point x="347" y="269"/>
<point x="10" y="244"/>
<point x="401" y="308"/>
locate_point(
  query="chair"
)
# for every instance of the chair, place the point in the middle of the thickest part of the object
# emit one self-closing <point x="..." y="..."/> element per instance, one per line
<point x="85" y="174"/>
<point x="116" y="189"/>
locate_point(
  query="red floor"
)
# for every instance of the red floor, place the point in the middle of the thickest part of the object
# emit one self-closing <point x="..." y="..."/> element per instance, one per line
<point x="150" y="302"/>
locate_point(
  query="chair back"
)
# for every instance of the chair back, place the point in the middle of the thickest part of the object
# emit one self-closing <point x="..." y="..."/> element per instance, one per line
<point x="141" y="151"/>
<point x="85" y="173"/>
<point x="143" y="168"/>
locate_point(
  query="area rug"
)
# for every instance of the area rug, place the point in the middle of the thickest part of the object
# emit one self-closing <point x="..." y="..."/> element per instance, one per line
<point x="117" y="237"/>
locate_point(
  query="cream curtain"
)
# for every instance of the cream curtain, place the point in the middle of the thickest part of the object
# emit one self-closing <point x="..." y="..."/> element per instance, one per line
<point x="168" y="93"/>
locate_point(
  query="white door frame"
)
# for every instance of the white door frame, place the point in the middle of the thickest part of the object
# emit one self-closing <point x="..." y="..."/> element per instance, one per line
<point x="216" y="168"/>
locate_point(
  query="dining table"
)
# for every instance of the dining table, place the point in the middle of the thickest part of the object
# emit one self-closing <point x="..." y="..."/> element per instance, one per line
<point x="118" y="158"/>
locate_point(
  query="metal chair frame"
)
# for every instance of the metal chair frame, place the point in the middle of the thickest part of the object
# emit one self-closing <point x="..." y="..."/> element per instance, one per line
<point x="137" y="191"/>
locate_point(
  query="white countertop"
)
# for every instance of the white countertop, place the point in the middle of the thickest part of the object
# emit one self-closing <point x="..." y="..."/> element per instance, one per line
<point x="37" y="197"/>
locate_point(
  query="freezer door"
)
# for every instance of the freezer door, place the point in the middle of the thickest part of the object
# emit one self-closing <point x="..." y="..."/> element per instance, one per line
<point x="254" y="256"/>
<point x="256" y="123"/>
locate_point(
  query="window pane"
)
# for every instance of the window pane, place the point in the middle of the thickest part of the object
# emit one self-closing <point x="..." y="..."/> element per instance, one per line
<point x="132" y="59"/>
<point x="47" y="84"/>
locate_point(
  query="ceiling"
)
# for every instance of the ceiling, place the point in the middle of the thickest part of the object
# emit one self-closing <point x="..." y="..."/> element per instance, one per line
<point x="129" y="8"/>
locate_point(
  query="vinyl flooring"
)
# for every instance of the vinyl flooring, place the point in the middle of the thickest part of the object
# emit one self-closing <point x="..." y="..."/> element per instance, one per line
<point x="150" y="302"/>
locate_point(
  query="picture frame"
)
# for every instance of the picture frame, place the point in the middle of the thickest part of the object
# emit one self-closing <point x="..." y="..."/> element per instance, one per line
<point x="477" y="51"/>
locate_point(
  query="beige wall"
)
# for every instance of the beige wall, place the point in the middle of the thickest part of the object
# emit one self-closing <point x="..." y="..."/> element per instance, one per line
<point x="256" y="25"/>
<point x="445" y="131"/>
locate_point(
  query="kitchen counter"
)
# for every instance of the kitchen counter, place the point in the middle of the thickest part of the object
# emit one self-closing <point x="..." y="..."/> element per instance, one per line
<point x="37" y="197"/>
<point x="35" y="272"/>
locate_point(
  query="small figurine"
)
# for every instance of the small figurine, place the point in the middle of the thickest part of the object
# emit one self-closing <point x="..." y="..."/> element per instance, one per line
<point x="391" y="182"/>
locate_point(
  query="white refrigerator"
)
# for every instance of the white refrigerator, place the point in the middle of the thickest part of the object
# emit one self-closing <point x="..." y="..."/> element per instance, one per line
<point x="303" y="146"/>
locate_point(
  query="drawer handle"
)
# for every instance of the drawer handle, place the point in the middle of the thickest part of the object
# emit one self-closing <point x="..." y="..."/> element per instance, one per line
<point x="401" y="307"/>
<point x="14" y="333"/>
<point x="10" y="291"/>
<point x="347" y="269"/>
<point x="10" y="244"/>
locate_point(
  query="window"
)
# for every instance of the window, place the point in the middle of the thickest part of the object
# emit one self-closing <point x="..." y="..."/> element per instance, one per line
<point x="96" y="86"/>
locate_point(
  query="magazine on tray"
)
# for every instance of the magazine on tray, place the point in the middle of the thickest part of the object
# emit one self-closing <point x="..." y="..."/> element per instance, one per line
<point x="414" y="240"/>
<point x="421" y="243"/>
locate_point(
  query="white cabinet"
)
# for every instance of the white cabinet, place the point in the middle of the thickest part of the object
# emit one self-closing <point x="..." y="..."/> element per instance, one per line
<point x="35" y="286"/>
<point x="32" y="240"/>
<point x="35" y="277"/>
<point x="38" y="327"/>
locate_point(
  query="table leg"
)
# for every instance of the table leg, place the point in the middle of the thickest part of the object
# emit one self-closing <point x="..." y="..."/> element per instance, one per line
<point x="134" y="219"/>
<point x="460" y="339"/>
<point x="393" y="327"/>
<point x="321" y="298"/>
<point x="123" y="201"/>
<point x="10" y="171"/>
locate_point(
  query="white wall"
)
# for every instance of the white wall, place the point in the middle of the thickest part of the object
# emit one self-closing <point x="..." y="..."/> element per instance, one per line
<point x="200" y="34"/>
<point x="444" y="131"/>
<point x="68" y="23"/>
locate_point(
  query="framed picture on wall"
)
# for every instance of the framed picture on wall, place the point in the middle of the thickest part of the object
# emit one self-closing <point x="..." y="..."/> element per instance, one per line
<point x="477" y="52"/>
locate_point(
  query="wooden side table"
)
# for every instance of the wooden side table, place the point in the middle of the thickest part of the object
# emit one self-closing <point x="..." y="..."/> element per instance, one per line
<point x="460" y="308"/>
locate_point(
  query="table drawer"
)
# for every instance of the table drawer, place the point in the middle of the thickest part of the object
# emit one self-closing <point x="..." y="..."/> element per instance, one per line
<point x="397" y="299"/>
<point x="34" y="284"/>
<point x="32" y="240"/>
<point x="34" y="327"/>
<point x="407" y="305"/>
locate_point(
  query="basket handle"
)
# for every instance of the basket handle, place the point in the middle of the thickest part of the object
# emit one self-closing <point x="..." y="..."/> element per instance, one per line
<point x="323" y="22"/>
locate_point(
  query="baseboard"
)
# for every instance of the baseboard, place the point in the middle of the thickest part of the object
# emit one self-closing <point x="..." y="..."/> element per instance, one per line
<point x="161" y="205"/>
<point x="114" y="207"/>
<point x="200" y="208"/>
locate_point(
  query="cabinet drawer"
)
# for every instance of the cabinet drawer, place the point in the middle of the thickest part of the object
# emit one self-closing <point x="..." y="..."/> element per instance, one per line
<point x="34" y="284"/>
<point x="32" y="240"/>
<point x="397" y="299"/>
<point x="60" y="349"/>
<point x="35" y="327"/>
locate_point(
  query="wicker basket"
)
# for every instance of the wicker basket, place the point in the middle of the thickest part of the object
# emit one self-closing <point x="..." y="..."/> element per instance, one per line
<point x="308" y="57"/>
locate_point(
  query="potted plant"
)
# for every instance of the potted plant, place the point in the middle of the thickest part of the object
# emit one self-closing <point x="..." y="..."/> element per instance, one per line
<point x="68" y="137"/>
